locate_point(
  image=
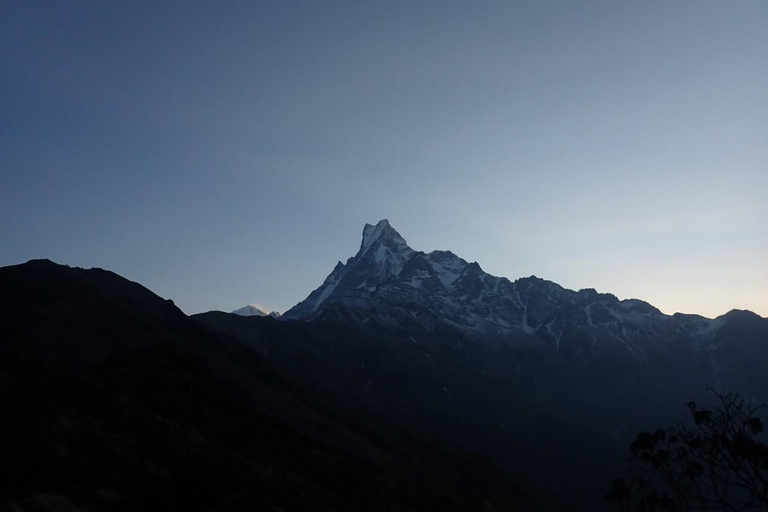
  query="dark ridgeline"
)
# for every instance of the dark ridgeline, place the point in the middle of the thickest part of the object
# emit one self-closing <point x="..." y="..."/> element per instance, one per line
<point x="115" y="400"/>
<point x="407" y="381"/>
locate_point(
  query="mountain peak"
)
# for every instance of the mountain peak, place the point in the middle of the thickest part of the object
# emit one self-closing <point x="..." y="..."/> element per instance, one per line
<point x="252" y="310"/>
<point x="382" y="256"/>
<point x="381" y="224"/>
<point x="385" y="233"/>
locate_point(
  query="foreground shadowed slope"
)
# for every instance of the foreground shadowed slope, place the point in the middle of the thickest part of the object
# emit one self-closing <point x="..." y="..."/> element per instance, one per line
<point x="115" y="400"/>
<point x="551" y="425"/>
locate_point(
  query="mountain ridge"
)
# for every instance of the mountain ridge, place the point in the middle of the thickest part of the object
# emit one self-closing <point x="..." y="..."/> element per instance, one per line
<point x="389" y="284"/>
<point x="372" y="233"/>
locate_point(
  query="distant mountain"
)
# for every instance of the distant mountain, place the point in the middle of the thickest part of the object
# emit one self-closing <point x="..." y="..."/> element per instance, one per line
<point x="249" y="311"/>
<point x="252" y="310"/>
<point x="390" y="284"/>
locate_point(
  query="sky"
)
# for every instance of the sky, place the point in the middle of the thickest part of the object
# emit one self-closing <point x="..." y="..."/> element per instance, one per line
<point x="227" y="153"/>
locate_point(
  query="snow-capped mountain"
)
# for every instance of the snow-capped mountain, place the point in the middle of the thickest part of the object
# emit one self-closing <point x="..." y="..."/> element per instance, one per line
<point x="462" y="294"/>
<point x="251" y="310"/>
<point x="389" y="283"/>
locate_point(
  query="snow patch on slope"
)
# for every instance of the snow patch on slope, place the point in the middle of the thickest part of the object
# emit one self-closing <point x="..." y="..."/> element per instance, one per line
<point x="330" y="286"/>
<point x="446" y="276"/>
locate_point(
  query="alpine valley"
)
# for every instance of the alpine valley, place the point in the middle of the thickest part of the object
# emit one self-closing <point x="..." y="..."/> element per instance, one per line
<point x="406" y="381"/>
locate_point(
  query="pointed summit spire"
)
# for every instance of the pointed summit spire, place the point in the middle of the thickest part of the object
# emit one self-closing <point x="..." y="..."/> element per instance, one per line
<point x="384" y="232"/>
<point x="382" y="256"/>
<point x="371" y="234"/>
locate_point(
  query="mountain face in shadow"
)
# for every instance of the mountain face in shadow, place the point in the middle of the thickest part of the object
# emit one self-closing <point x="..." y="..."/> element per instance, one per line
<point x="115" y="400"/>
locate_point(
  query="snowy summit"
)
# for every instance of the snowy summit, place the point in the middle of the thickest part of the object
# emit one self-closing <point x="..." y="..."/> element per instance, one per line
<point x="251" y="310"/>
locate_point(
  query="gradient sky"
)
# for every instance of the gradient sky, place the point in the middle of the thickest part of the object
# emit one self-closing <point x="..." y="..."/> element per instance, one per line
<point x="224" y="153"/>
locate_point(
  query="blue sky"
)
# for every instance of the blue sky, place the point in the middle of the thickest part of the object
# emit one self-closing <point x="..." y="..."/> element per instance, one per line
<point x="224" y="153"/>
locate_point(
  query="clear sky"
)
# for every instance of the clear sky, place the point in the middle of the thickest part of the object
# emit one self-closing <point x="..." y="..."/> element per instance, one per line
<point x="224" y="153"/>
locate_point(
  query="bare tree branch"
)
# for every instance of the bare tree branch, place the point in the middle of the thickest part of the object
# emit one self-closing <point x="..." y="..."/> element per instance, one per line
<point x="715" y="465"/>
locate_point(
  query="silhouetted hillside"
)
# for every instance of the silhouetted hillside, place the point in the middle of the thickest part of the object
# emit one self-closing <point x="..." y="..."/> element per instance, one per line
<point x="115" y="400"/>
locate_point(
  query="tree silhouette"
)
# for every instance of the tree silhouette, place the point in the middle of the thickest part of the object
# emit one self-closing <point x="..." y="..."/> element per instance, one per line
<point x="715" y="464"/>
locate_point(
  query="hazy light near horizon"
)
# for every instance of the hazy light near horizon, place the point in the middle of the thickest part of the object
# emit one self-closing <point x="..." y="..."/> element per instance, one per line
<point x="226" y="155"/>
